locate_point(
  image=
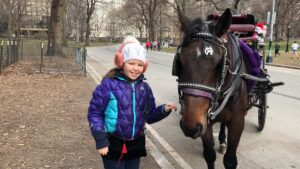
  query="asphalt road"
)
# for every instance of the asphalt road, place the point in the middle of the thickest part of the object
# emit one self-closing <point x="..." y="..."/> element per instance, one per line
<point x="276" y="147"/>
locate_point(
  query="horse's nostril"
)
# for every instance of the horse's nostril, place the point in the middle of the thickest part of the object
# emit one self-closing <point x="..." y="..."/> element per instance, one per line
<point x="191" y="132"/>
<point x="199" y="127"/>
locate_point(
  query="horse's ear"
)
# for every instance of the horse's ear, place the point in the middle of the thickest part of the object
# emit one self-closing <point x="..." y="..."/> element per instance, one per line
<point x="184" y="21"/>
<point x="223" y="23"/>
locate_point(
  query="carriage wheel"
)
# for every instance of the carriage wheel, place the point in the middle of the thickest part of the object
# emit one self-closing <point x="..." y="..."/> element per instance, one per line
<point x="262" y="111"/>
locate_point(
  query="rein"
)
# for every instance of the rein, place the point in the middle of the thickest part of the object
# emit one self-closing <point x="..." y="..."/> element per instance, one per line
<point x="215" y="94"/>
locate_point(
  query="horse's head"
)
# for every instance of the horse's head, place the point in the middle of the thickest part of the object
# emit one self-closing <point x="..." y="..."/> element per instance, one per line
<point x="199" y="65"/>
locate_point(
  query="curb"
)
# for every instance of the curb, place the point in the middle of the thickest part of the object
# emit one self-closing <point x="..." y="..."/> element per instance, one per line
<point x="285" y="66"/>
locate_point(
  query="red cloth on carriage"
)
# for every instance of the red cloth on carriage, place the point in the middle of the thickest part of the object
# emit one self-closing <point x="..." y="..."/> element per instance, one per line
<point x="253" y="63"/>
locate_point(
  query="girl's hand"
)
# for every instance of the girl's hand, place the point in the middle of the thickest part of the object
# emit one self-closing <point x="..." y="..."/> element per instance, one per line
<point x="170" y="106"/>
<point x="103" y="151"/>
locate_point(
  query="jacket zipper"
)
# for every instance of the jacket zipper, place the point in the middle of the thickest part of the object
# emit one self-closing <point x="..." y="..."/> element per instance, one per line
<point x="133" y="109"/>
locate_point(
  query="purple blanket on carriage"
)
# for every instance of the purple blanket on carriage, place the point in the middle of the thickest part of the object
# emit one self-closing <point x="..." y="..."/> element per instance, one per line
<point x="253" y="63"/>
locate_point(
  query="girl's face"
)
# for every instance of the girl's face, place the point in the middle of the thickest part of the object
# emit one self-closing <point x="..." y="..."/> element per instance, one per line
<point x="133" y="68"/>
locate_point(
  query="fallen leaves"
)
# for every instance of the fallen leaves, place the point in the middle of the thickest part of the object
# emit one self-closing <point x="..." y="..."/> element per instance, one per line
<point x="43" y="120"/>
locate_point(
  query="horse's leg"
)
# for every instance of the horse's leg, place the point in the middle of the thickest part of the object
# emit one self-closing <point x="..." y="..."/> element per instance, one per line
<point x="235" y="129"/>
<point x="222" y="137"/>
<point x="208" y="148"/>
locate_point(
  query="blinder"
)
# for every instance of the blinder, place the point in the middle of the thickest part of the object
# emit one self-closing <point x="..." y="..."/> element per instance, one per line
<point x="176" y="63"/>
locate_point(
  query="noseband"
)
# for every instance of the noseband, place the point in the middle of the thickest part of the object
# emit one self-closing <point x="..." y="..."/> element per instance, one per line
<point x="215" y="94"/>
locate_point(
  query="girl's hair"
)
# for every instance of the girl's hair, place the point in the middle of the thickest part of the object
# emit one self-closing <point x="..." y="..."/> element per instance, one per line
<point x="112" y="72"/>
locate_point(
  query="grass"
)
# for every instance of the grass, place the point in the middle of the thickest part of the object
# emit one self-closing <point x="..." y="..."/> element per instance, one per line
<point x="92" y="44"/>
<point x="170" y="50"/>
<point x="288" y="59"/>
<point x="70" y="44"/>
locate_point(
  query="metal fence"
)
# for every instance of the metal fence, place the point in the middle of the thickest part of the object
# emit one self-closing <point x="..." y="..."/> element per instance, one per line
<point x="33" y="55"/>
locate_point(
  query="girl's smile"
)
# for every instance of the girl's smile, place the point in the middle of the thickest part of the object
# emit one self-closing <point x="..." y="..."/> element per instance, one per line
<point x="133" y="68"/>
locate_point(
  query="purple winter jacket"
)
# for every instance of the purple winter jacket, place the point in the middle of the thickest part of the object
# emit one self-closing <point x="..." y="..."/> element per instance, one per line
<point x="118" y="107"/>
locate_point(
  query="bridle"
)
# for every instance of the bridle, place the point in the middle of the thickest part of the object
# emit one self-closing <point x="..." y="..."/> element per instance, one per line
<point x="215" y="93"/>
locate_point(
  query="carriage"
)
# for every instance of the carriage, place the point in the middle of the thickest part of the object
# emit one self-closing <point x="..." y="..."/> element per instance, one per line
<point x="248" y="30"/>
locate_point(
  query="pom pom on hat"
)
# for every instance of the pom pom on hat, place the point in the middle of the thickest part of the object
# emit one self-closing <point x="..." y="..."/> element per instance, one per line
<point x="130" y="39"/>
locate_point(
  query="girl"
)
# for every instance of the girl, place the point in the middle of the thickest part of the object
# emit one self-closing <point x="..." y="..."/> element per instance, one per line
<point x="120" y="107"/>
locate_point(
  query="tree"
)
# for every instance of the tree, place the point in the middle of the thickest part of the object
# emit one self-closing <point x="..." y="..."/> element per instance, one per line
<point x="137" y="19"/>
<point x="90" y="8"/>
<point x="150" y="11"/>
<point x="55" y="32"/>
<point x="78" y="17"/>
<point x="21" y="7"/>
<point x="286" y="15"/>
<point x="65" y="25"/>
<point x="10" y="12"/>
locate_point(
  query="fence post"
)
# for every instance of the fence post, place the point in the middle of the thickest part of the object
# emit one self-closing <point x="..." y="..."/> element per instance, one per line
<point x="78" y="59"/>
<point x="84" y="60"/>
<point x="8" y="59"/>
<point x="42" y="60"/>
<point x="13" y="49"/>
<point x="22" y="49"/>
<point x="17" y="49"/>
<point x="1" y="56"/>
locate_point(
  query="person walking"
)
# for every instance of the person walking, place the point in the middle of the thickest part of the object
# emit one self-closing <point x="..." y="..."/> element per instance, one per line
<point x="159" y="46"/>
<point x="148" y="44"/>
<point x="120" y="107"/>
<point x="277" y="48"/>
<point x="295" y="47"/>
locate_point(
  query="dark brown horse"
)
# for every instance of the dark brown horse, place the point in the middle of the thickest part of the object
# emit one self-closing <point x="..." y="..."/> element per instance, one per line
<point x="208" y="64"/>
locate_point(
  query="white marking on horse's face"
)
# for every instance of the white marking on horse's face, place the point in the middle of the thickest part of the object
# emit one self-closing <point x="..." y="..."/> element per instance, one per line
<point x="208" y="50"/>
<point x="198" y="52"/>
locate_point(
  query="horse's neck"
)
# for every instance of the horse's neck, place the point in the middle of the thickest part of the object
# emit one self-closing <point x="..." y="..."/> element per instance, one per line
<point x="233" y="52"/>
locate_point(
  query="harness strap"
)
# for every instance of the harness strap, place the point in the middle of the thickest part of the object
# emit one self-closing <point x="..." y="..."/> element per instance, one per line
<point x="215" y="113"/>
<point x="196" y="92"/>
<point x="254" y="78"/>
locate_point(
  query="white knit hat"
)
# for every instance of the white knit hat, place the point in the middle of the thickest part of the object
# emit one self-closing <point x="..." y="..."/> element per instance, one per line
<point x="130" y="39"/>
<point x="134" y="51"/>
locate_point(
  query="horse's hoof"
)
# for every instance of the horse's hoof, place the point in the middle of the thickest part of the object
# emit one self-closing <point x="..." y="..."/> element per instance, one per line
<point x="222" y="148"/>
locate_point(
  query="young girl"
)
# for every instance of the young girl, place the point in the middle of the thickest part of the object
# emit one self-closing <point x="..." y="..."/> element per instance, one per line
<point x="120" y="107"/>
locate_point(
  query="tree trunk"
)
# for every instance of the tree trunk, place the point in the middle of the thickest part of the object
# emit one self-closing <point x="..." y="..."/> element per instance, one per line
<point x="77" y="30"/>
<point x="88" y="31"/>
<point x="151" y="30"/>
<point x="55" y="33"/>
<point x="141" y="32"/>
<point x="65" y="24"/>
<point x="90" y="4"/>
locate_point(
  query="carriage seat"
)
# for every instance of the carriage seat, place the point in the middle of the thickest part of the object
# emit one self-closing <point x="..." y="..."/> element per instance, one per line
<point x="242" y="25"/>
<point x="253" y="63"/>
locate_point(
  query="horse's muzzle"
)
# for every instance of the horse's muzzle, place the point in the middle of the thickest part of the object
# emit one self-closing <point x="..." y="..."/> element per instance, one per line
<point x="191" y="132"/>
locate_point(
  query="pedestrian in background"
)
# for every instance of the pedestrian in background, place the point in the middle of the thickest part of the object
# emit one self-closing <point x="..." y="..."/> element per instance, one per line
<point x="295" y="47"/>
<point x="148" y="44"/>
<point x="159" y="46"/>
<point x="277" y="48"/>
<point x="120" y="107"/>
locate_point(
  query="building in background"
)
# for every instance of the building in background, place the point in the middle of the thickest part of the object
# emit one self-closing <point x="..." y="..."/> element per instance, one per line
<point x="36" y="16"/>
